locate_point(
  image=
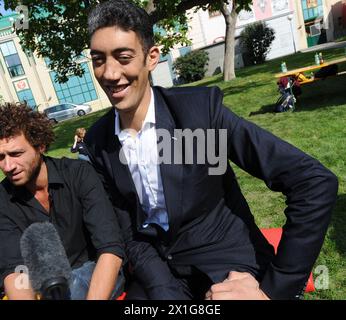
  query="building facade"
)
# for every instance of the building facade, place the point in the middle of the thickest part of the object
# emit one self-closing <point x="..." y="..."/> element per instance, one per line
<point x="24" y="76"/>
<point x="319" y="21"/>
<point x="298" y="24"/>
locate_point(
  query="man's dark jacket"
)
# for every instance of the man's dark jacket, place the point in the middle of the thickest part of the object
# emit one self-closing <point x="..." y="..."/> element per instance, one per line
<point x="210" y="225"/>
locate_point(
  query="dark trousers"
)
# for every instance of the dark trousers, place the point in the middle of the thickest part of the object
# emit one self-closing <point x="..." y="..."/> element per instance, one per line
<point x="192" y="287"/>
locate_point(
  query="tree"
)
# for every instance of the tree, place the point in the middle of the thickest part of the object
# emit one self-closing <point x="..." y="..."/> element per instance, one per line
<point x="192" y="66"/>
<point x="228" y="8"/>
<point x="57" y="29"/>
<point x="257" y="38"/>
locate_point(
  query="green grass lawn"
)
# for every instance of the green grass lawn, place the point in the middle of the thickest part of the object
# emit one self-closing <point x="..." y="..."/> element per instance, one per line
<point x="318" y="127"/>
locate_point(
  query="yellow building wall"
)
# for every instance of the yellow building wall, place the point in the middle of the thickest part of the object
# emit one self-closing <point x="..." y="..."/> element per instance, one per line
<point x="38" y="76"/>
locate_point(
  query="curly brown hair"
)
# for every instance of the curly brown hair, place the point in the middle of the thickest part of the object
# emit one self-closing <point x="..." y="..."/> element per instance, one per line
<point x="19" y="118"/>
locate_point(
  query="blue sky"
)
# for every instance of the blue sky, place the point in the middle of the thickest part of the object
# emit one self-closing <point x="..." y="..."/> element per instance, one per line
<point x="2" y="9"/>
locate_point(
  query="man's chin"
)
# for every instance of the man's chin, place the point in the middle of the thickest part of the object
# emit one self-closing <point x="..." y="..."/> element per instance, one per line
<point x="119" y="104"/>
<point x="18" y="183"/>
<point x="19" y="180"/>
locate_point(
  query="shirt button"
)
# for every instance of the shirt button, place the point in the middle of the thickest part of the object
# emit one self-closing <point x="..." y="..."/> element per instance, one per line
<point x="169" y="257"/>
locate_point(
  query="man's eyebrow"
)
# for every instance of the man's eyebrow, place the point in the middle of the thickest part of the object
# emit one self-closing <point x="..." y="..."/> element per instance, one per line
<point x="12" y="152"/>
<point x="95" y="52"/>
<point x="118" y="50"/>
<point x="115" y="51"/>
<point x="15" y="151"/>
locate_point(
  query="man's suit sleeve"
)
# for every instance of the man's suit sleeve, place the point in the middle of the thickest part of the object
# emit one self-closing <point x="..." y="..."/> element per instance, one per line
<point x="309" y="187"/>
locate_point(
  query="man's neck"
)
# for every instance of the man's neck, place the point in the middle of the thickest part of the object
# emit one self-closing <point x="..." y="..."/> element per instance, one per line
<point x="40" y="183"/>
<point x="133" y="119"/>
<point x="39" y="187"/>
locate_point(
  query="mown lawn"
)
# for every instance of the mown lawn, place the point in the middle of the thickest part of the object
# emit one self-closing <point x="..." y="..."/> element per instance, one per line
<point x="318" y="127"/>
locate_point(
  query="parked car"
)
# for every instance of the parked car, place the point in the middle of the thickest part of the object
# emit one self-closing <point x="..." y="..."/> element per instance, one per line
<point x="65" y="111"/>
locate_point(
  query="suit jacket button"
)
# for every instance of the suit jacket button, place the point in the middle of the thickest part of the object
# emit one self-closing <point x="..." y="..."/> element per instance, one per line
<point x="169" y="257"/>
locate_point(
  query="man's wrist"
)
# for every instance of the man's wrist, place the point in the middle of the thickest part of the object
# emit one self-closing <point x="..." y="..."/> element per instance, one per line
<point x="264" y="295"/>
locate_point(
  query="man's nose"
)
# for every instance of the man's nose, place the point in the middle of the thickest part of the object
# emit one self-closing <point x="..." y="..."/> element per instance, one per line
<point x="113" y="70"/>
<point x="7" y="165"/>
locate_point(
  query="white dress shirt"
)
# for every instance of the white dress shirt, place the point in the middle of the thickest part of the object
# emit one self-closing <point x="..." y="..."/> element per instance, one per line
<point x="140" y="150"/>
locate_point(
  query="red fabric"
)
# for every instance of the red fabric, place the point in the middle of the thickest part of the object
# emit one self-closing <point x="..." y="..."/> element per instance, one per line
<point x="283" y="82"/>
<point x="122" y="297"/>
<point x="273" y="235"/>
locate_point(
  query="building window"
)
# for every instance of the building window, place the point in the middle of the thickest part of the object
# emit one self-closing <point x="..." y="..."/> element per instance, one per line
<point x="13" y="63"/>
<point x="24" y="92"/>
<point x="315" y="29"/>
<point x="76" y="90"/>
<point x="312" y="9"/>
<point x="26" y="95"/>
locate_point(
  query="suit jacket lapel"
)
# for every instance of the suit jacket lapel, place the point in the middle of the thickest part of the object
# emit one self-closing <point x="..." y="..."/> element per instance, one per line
<point x="120" y="171"/>
<point x="171" y="174"/>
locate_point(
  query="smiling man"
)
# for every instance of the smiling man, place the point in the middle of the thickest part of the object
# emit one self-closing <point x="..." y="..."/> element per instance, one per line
<point x="122" y="63"/>
<point x="187" y="231"/>
<point x="65" y="192"/>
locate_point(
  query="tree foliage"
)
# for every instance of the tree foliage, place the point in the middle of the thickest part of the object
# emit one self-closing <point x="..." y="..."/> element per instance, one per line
<point x="58" y="28"/>
<point x="257" y="39"/>
<point x="192" y="66"/>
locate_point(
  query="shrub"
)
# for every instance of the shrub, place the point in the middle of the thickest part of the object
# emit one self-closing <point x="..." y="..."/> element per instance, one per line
<point x="192" y="66"/>
<point x="256" y="39"/>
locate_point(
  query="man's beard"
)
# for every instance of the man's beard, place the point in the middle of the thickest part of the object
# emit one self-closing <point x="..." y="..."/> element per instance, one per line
<point x="35" y="170"/>
<point x="32" y="172"/>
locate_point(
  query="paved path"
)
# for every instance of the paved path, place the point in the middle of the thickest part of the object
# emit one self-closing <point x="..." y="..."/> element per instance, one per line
<point x="324" y="46"/>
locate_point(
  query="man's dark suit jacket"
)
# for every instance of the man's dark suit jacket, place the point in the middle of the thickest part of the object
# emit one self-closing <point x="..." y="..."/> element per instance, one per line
<point x="210" y="225"/>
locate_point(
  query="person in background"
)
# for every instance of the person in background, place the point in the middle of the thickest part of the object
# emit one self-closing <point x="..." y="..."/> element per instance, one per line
<point x="79" y="145"/>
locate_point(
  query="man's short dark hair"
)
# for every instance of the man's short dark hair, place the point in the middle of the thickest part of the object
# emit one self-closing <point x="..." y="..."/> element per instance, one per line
<point x="125" y="15"/>
<point x="16" y="119"/>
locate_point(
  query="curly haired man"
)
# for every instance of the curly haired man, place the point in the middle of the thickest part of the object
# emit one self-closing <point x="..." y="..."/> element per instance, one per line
<point x="65" y="192"/>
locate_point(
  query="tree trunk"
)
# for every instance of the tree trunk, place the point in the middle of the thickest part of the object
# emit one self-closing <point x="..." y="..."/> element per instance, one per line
<point x="231" y="20"/>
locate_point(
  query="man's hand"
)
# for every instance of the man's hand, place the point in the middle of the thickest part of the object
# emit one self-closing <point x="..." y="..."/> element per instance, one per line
<point x="23" y="292"/>
<point x="237" y="286"/>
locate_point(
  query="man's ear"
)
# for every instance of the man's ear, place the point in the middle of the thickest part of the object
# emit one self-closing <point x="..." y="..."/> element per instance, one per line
<point x="42" y="149"/>
<point x="153" y="58"/>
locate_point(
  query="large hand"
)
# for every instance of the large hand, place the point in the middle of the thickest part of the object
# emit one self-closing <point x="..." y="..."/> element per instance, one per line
<point x="237" y="286"/>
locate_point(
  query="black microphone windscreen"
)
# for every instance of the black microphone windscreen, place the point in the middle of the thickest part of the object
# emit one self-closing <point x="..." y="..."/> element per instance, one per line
<point x="44" y="254"/>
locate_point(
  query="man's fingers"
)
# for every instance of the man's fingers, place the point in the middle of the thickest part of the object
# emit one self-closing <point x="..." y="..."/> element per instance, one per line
<point x="238" y="286"/>
<point x="224" y="296"/>
<point x="235" y="275"/>
<point x="234" y="283"/>
<point x="220" y="291"/>
<point x="208" y="295"/>
<point x="220" y="287"/>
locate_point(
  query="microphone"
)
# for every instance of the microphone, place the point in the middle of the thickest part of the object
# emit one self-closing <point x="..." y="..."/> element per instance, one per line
<point x="46" y="260"/>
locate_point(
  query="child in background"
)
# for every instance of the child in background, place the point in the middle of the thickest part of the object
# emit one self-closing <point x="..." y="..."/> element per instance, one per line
<point x="79" y="145"/>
